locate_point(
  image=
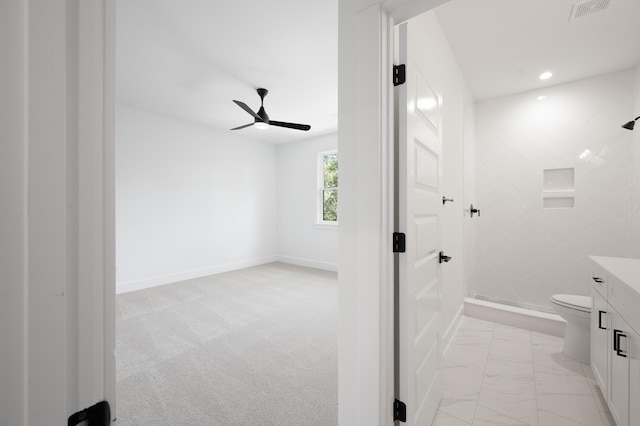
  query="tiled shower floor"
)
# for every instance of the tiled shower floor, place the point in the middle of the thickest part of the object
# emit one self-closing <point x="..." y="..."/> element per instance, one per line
<point x="500" y="375"/>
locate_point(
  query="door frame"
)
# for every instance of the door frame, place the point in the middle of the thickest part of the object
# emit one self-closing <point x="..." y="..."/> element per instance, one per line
<point x="365" y="140"/>
<point x="62" y="101"/>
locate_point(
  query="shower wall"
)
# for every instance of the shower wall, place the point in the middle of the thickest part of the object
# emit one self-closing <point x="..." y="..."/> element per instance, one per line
<point x="533" y="237"/>
<point x="636" y="165"/>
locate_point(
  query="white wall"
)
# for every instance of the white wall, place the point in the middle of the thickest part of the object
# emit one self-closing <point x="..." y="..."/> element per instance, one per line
<point x="526" y="253"/>
<point x="300" y="240"/>
<point x="191" y="201"/>
<point x="13" y="154"/>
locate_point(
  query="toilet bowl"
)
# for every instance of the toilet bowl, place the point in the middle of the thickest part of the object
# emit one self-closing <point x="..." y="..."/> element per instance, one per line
<point x="576" y="310"/>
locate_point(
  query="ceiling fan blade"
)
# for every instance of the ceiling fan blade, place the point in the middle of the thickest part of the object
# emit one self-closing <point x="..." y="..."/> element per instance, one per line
<point x="304" y="127"/>
<point x="246" y="108"/>
<point x="242" y="127"/>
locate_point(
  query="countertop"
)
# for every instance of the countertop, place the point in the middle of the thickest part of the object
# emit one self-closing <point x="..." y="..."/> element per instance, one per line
<point x="625" y="269"/>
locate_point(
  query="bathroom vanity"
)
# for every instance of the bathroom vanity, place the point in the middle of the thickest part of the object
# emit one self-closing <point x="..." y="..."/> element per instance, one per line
<point x="615" y="335"/>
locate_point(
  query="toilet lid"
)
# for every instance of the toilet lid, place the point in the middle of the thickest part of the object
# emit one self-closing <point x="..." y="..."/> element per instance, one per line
<point x="572" y="301"/>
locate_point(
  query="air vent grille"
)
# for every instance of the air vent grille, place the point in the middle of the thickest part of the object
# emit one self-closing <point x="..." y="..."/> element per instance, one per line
<point x="588" y="7"/>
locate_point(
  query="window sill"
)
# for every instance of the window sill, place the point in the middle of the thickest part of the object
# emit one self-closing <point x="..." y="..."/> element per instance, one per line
<point x="327" y="226"/>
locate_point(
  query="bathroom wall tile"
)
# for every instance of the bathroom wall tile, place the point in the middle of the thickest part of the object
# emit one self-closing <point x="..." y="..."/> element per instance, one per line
<point x="524" y="253"/>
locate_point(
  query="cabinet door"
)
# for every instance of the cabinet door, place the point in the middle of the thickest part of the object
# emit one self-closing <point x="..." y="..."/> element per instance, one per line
<point x="634" y="377"/>
<point x="600" y="340"/>
<point x="620" y="369"/>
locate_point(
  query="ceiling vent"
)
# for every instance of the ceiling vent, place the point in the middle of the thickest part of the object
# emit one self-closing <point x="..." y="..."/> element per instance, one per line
<point x="588" y="7"/>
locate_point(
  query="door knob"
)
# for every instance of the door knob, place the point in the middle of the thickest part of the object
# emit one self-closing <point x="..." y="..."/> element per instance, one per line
<point x="472" y="210"/>
<point x="443" y="258"/>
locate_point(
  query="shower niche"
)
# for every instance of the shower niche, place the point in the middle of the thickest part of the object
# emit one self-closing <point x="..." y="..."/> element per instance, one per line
<point x="558" y="188"/>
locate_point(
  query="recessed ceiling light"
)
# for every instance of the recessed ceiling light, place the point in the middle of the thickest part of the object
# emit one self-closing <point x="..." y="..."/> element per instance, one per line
<point x="542" y="97"/>
<point x="545" y="75"/>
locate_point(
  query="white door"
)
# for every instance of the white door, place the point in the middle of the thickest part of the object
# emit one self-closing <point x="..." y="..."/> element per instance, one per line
<point x="419" y="203"/>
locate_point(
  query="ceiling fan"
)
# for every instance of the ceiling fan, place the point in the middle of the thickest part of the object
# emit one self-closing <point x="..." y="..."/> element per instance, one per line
<point x="262" y="119"/>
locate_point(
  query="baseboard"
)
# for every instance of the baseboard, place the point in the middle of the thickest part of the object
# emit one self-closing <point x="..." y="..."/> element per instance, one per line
<point x="528" y="319"/>
<point x="129" y="286"/>
<point x="308" y="263"/>
<point x="450" y="332"/>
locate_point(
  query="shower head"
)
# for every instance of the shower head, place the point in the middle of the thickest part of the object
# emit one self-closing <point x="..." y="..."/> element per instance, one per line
<point x="630" y="124"/>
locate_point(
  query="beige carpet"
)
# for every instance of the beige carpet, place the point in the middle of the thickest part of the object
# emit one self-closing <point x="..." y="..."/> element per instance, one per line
<point x="256" y="346"/>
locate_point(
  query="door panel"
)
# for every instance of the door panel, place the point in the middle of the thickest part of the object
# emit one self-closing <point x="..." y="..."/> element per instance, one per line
<point x="419" y="203"/>
<point x="600" y="341"/>
<point x="620" y="369"/>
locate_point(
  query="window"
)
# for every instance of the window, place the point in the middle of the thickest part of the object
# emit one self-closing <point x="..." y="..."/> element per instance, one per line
<point x="328" y="187"/>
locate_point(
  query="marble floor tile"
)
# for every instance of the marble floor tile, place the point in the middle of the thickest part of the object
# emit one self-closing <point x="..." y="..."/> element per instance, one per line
<point x="487" y="417"/>
<point x="524" y="377"/>
<point x="550" y="384"/>
<point x="511" y="396"/>
<point x="468" y="353"/>
<point x="579" y="408"/>
<point x="503" y="365"/>
<point x="443" y="419"/>
<point x="546" y="418"/>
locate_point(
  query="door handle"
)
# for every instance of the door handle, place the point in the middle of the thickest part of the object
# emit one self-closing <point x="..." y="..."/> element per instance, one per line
<point x="600" y="320"/>
<point x="598" y="280"/>
<point x="445" y="199"/>
<point x="443" y="258"/>
<point x="616" y="342"/>
<point x="96" y="415"/>
<point x="473" y="210"/>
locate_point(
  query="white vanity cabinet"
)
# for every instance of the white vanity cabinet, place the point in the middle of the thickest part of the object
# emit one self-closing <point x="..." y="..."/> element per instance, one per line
<point x="600" y="336"/>
<point x="615" y="335"/>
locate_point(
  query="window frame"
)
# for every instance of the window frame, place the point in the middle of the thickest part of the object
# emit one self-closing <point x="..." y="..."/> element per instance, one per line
<point x="320" y="222"/>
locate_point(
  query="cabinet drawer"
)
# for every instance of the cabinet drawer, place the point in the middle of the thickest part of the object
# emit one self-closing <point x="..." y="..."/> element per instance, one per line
<point x="626" y="301"/>
<point x="600" y="281"/>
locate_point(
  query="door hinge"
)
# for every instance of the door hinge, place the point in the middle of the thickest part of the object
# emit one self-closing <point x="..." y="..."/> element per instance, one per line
<point x="399" y="74"/>
<point x="399" y="242"/>
<point x="96" y="415"/>
<point x="399" y="411"/>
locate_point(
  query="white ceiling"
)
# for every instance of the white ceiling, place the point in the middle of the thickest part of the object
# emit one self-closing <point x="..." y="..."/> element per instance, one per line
<point x="189" y="59"/>
<point x="502" y="46"/>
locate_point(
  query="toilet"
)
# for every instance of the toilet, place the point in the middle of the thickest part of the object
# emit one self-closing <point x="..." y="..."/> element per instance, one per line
<point x="576" y="310"/>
